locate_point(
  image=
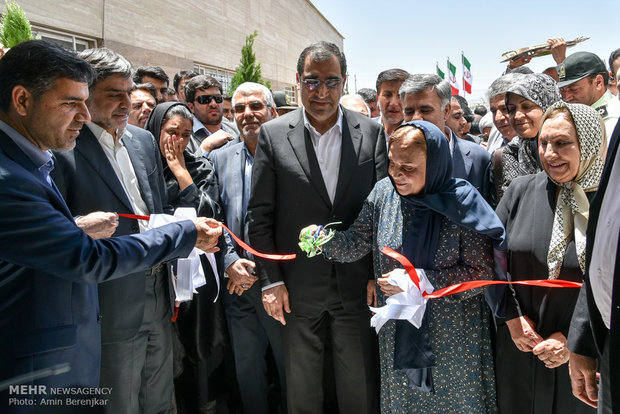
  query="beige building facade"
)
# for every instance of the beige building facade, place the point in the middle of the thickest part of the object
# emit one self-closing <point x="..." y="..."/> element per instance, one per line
<point x="189" y="34"/>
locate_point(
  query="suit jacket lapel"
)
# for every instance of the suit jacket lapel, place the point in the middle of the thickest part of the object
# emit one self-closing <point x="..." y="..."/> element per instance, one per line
<point x="16" y="154"/>
<point x="299" y="137"/>
<point x="349" y="155"/>
<point x="88" y="146"/>
<point x="136" y="155"/>
<point x="238" y="176"/>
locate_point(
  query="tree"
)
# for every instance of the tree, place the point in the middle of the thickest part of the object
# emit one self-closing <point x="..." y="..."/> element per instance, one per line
<point x="248" y="70"/>
<point x="15" y="27"/>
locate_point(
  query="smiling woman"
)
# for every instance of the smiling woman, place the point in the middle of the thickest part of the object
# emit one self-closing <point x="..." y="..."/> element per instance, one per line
<point x="546" y="216"/>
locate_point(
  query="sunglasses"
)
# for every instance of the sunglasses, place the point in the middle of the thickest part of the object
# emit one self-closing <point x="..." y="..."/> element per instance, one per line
<point x="254" y="106"/>
<point x="206" y="99"/>
<point x="312" y="84"/>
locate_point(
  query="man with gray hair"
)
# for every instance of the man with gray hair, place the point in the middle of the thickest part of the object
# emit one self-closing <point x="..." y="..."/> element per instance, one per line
<point x="370" y="97"/>
<point x="356" y="103"/>
<point x="503" y="132"/>
<point x="253" y="333"/>
<point x="117" y="167"/>
<point x="427" y="97"/>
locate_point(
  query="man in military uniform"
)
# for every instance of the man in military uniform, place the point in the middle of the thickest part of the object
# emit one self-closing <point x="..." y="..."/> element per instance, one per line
<point x="583" y="79"/>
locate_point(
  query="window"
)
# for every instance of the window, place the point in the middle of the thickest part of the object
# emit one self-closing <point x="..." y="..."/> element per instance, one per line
<point x="66" y="40"/>
<point x="291" y="92"/>
<point x="223" y="76"/>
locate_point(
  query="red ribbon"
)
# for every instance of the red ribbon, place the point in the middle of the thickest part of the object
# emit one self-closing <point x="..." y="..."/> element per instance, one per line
<point x="237" y="239"/>
<point x="461" y="287"/>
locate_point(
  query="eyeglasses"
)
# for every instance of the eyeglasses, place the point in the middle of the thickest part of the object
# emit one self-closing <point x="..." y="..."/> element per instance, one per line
<point x="312" y="84"/>
<point x="254" y="106"/>
<point x="206" y="99"/>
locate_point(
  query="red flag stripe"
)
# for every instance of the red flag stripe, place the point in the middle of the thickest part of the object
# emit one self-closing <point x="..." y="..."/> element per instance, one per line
<point x="237" y="239"/>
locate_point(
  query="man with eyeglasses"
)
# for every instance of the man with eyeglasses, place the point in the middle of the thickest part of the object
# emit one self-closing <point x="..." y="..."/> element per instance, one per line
<point x="318" y="164"/>
<point x="205" y="100"/>
<point x="252" y="331"/>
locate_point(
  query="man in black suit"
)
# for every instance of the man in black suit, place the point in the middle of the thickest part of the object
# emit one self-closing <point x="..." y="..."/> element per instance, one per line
<point x="595" y="328"/>
<point x="117" y="167"/>
<point x="317" y="164"/>
<point x="252" y="331"/>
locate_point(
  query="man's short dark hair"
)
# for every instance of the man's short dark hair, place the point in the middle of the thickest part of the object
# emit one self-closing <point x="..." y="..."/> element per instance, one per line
<point x="467" y="113"/>
<point x="148" y="88"/>
<point x="200" y="82"/>
<point x="612" y="57"/>
<point x="480" y="110"/>
<point x="154" y="72"/>
<point x="183" y="74"/>
<point x="227" y="97"/>
<point x="36" y="65"/>
<point x="320" y="52"/>
<point x="391" y="75"/>
<point x="106" y="63"/>
<point x="369" y="95"/>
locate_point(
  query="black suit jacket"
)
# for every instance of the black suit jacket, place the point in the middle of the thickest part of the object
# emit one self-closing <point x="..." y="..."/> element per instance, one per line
<point x="288" y="193"/>
<point x="588" y="333"/>
<point x="88" y="183"/>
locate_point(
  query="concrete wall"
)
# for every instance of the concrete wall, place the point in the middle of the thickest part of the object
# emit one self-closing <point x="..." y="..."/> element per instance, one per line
<point x="175" y="34"/>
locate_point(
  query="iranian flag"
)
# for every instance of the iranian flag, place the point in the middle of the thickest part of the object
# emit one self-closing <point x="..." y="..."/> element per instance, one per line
<point x="467" y="78"/>
<point x="452" y="76"/>
<point x="439" y="72"/>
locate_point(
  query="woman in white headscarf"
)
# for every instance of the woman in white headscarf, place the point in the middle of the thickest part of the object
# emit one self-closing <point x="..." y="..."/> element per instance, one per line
<point x="546" y="216"/>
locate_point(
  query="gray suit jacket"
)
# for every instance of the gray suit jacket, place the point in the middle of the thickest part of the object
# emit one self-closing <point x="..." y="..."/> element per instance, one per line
<point x="88" y="183"/>
<point x="229" y="167"/>
<point x="288" y="193"/>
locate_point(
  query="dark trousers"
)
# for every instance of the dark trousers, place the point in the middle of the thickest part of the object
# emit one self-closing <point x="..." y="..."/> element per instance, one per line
<point x="253" y="334"/>
<point x="354" y="353"/>
<point x="604" y="391"/>
<point x="139" y="370"/>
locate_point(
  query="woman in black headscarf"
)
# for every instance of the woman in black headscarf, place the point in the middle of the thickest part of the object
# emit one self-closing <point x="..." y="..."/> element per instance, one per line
<point x="526" y="101"/>
<point x="200" y="326"/>
<point x="445" y="228"/>
<point x="546" y="215"/>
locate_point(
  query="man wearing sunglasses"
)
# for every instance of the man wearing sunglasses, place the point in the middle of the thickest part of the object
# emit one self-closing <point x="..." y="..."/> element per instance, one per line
<point x="318" y="164"/>
<point x="204" y="98"/>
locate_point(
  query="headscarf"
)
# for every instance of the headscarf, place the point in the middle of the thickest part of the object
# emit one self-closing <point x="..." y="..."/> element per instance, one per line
<point x="461" y="203"/>
<point x="485" y="122"/>
<point x="572" y="208"/>
<point x="521" y="154"/>
<point x="197" y="167"/>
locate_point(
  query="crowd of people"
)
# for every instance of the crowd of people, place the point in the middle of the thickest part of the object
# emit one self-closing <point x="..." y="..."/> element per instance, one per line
<point x="523" y="188"/>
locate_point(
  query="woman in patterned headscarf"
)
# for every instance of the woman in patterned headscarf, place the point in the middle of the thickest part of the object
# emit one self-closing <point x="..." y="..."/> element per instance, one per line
<point x="546" y="216"/>
<point x="526" y="101"/>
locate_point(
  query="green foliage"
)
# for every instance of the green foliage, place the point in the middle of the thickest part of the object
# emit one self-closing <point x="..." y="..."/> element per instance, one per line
<point x="248" y="70"/>
<point x="15" y="27"/>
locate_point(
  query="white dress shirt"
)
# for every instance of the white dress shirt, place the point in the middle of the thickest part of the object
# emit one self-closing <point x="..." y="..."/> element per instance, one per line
<point x="119" y="159"/>
<point x="327" y="148"/>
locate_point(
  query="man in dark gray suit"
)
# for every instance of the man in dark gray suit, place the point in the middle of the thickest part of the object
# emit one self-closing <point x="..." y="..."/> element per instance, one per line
<point x="318" y="164"/>
<point x="427" y="97"/>
<point x="117" y="167"/>
<point x="252" y="331"/>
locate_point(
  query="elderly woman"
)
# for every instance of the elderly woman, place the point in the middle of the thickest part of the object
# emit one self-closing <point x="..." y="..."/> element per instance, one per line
<point x="526" y="100"/>
<point x="546" y="216"/>
<point x="441" y="225"/>
<point x="200" y="326"/>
